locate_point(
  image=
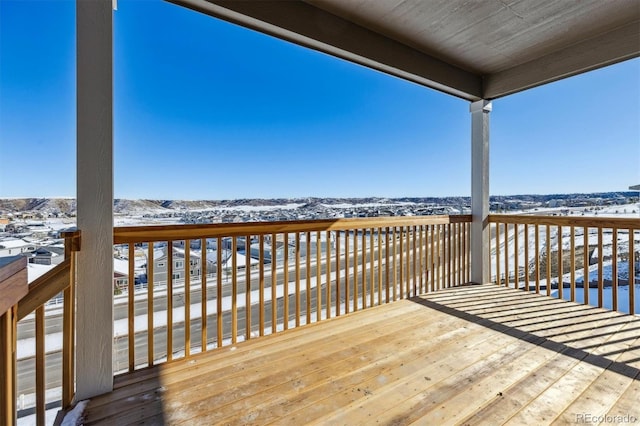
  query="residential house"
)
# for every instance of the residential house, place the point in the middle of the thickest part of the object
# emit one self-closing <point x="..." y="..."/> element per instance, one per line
<point x="15" y="246"/>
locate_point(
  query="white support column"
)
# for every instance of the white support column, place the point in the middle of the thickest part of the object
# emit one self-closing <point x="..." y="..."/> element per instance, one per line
<point x="480" y="191"/>
<point x="94" y="321"/>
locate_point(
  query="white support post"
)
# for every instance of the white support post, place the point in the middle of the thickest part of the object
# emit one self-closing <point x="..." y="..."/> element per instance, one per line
<point x="480" y="191"/>
<point x="94" y="320"/>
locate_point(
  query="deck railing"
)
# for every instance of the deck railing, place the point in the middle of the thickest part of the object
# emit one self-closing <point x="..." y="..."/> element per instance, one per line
<point x="192" y="288"/>
<point x="213" y="285"/>
<point x="40" y="354"/>
<point x="585" y="259"/>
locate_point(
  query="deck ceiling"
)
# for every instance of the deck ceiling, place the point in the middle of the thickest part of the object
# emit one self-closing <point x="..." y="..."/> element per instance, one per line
<point x="473" y="49"/>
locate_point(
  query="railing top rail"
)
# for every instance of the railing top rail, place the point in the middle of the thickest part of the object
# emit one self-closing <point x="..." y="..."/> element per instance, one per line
<point x="44" y="288"/>
<point x="13" y="281"/>
<point x="136" y="234"/>
<point x="591" y="222"/>
<point x="11" y="265"/>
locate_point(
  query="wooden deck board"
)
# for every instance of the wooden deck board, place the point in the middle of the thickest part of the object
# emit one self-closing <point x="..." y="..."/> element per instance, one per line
<point x="230" y="369"/>
<point x="377" y="352"/>
<point x="513" y="398"/>
<point x="468" y="355"/>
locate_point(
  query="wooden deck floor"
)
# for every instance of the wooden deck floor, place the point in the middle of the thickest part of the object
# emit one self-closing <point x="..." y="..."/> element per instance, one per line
<point x="469" y="355"/>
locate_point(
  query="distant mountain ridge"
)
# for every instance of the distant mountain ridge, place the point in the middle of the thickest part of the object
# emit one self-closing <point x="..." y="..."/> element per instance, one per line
<point x="67" y="206"/>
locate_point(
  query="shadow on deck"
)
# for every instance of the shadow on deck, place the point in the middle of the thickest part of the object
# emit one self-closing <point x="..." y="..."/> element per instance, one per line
<point x="466" y="355"/>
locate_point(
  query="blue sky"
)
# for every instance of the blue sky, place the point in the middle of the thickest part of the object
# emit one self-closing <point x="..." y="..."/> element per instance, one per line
<point x="208" y="110"/>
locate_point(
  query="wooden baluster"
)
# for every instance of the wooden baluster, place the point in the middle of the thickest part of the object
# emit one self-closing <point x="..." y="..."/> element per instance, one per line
<point x="8" y="370"/>
<point x="422" y="260"/>
<point x="261" y="282"/>
<point x="219" y="331"/>
<point x="452" y="254"/>
<point x="614" y="269"/>
<point x="457" y="256"/>
<point x="442" y="256"/>
<point x="632" y="272"/>
<point x="572" y="285"/>
<point x="463" y="253"/>
<point x="468" y="238"/>
<point x="448" y="257"/>
<point x="394" y="264"/>
<point x="585" y="265"/>
<point x="308" y="266"/>
<point x="71" y="249"/>
<point x="297" y="242"/>
<point x="234" y="289"/>
<point x="328" y="268"/>
<point x="131" y="334"/>
<point x="40" y="367"/>
<point x="187" y="298"/>
<point x="379" y="237"/>
<point x="516" y="253"/>
<point x="506" y="255"/>
<point x="371" y="269"/>
<point x="247" y="282"/>
<point x="169" y="300"/>
<point x="318" y="277"/>
<point x="387" y="274"/>
<point x="274" y="284"/>
<point x="203" y="294"/>
<point x="407" y="262"/>
<point x="150" y="299"/>
<point x="355" y="271"/>
<point x="455" y="236"/>
<point x="432" y="261"/>
<point x="537" y="259"/>
<point x="285" y="272"/>
<point x="440" y="273"/>
<point x="402" y="277"/>
<point x="548" y="242"/>
<point x="337" y="257"/>
<point x="363" y="259"/>
<point x="347" y="273"/>
<point x="414" y="258"/>
<point x="600" y="276"/>
<point x="491" y="267"/>
<point x="498" y="280"/>
<point x="560" y="266"/>
<point x="526" y="256"/>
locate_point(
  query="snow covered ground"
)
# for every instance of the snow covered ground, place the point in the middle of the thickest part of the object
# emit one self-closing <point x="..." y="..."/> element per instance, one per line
<point x="607" y="297"/>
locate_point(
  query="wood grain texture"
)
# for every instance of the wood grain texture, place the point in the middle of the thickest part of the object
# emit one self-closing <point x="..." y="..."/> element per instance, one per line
<point x="10" y="266"/>
<point x="467" y="355"/>
<point x="13" y="281"/>
<point x="8" y="334"/>
<point x="13" y="289"/>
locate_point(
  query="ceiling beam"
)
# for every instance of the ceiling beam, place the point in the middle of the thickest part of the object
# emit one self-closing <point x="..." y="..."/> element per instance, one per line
<point x="609" y="48"/>
<point x="309" y="26"/>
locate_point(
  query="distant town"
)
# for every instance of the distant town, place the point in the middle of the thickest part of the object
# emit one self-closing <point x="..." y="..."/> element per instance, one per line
<point x="14" y="211"/>
<point x="31" y="226"/>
